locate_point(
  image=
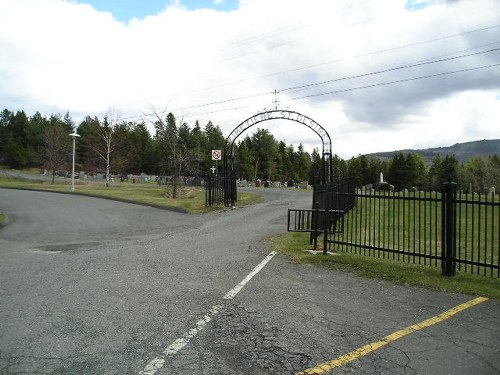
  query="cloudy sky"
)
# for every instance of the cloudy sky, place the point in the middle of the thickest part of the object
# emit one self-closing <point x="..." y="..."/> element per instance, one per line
<point x="378" y="75"/>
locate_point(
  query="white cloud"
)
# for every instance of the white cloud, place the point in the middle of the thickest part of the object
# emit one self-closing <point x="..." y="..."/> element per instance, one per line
<point x="59" y="55"/>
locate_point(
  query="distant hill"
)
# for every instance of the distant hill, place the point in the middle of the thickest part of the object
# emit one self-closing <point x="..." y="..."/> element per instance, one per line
<point x="462" y="151"/>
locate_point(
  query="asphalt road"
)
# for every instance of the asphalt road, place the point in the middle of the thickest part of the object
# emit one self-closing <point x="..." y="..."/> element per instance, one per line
<point x="90" y="286"/>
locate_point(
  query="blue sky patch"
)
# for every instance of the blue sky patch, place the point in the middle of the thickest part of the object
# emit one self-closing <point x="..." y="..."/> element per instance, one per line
<point x="125" y="10"/>
<point x="418" y="4"/>
<point x="221" y="5"/>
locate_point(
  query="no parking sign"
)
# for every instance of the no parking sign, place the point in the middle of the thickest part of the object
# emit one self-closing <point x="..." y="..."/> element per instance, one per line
<point x="216" y="155"/>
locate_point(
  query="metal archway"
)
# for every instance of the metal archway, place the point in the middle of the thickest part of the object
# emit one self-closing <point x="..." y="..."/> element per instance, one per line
<point x="278" y="114"/>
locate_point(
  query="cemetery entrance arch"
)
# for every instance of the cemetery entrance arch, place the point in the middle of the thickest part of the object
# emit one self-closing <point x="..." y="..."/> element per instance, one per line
<point x="278" y="114"/>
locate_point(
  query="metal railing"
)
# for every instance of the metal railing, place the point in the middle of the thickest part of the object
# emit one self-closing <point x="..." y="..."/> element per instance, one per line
<point x="454" y="231"/>
<point x="330" y="202"/>
<point x="220" y="191"/>
<point x="315" y="221"/>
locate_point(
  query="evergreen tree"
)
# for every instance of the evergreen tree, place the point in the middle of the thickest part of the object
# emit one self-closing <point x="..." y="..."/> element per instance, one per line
<point x="449" y="169"/>
<point x="144" y="150"/>
<point x="397" y="171"/>
<point x="195" y="149"/>
<point x="302" y="164"/>
<point x="339" y="167"/>
<point x="354" y="171"/>
<point x="245" y="159"/>
<point x="16" y="149"/>
<point x="316" y="170"/>
<point x="434" y="176"/>
<point x="5" y="120"/>
<point x="284" y="164"/>
<point x="416" y="171"/>
<point x="266" y="151"/>
<point x="443" y="170"/>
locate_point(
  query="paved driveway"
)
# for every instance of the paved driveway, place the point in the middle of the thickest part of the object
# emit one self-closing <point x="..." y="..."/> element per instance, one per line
<point x="90" y="286"/>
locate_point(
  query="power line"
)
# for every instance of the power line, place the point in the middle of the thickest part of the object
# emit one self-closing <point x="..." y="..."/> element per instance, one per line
<point x="387" y="70"/>
<point x="394" y="82"/>
<point x="463" y="50"/>
<point x="321" y="94"/>
<point x="222" y="101"/>
<point x="306" y="67"/>
<point x="356" y="88"/>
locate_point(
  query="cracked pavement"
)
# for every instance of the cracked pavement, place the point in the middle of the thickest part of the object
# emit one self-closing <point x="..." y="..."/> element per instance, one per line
<point x="89" y="286"/>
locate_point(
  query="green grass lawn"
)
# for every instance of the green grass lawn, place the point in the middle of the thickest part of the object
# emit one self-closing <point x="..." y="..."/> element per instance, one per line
<point x="294" y="244"/>
<point x="397" y="222"/>
<point x="191" y="199"/>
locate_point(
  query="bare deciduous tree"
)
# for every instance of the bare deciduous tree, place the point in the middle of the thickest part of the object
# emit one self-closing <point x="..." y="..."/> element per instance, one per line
<point x="173" y="151"/>
<point x="56" y="144"/>
<point x="107" y="145"/>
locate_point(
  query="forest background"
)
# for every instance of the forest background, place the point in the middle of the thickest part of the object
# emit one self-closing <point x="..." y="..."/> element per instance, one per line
<point x="118" y="147"/>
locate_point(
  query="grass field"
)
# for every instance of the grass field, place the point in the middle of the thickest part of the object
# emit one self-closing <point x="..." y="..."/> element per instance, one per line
<point x="191" y="199"/>
<point x="414" y="224"/>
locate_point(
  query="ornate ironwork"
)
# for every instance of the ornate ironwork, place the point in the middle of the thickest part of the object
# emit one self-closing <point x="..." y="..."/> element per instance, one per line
<point x="277" y="114"/>
<point x="281" y="114"/>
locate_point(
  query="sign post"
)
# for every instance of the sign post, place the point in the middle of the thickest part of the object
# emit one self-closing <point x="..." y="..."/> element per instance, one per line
<point x="216" y="155"/>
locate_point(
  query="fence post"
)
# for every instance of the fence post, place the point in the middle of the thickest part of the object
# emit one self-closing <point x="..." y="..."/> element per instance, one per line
<point x="208" y="202"/>
<point x="448" y="225"/>
<point x="326" y="222"/>
<point x="314" y="228"/>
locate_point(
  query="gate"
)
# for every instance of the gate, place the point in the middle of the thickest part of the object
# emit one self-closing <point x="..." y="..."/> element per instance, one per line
<point x="219" y="190"/>
<point x="227" y="187"/>
<point x="331" y="202"/>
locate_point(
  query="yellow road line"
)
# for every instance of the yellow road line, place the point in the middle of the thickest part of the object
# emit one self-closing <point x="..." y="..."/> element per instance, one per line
<point x="364" y="350"/>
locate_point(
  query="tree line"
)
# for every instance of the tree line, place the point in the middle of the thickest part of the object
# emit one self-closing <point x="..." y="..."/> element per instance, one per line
<point x="110" y="146"/>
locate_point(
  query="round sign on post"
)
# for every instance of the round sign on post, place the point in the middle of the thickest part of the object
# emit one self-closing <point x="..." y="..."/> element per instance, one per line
<point x="216" y="155"/>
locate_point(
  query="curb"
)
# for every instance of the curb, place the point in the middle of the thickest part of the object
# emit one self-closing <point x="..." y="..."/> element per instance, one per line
<point x="166" y="208"/>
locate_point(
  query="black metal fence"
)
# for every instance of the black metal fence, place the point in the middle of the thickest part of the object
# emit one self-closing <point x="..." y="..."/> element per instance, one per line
<point x="455" y="231"/>
<point x="220" y="191"/>
<point x="330" y="202"/>
<point x="314" y="221"/>
<point x="338" y="195"/>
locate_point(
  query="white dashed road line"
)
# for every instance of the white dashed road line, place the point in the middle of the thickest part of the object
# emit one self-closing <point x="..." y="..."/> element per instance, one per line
<point x="154" y="365"/>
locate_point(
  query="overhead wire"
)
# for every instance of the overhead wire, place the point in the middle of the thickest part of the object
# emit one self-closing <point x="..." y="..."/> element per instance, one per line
<point x="376" y="52"/>
<point x="228" y="100"/>
<point x="321" y="94"/>
<point x="358" y="88"/>
<point x="325" y="63"/>
<point x="395" y="81"/>
<point x="411" y="65"/>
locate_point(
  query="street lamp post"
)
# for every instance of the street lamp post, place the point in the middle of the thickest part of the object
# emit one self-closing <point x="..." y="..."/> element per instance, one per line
<point x="73" y="135"/>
